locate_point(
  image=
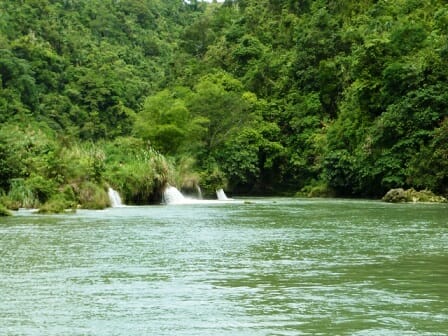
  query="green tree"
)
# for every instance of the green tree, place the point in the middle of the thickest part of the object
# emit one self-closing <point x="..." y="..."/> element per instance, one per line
<point x="166" y="122"/>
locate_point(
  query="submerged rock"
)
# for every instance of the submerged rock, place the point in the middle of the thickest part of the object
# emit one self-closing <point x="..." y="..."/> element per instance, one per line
<point x="399" y="195"/>
<point x="395" y="196"/>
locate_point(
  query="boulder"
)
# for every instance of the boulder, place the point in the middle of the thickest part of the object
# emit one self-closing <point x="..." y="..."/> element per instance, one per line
<point x="399" y="195"/>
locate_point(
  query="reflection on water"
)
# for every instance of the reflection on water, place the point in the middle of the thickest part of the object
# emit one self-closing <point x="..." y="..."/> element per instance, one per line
<point x="272" y="267"/>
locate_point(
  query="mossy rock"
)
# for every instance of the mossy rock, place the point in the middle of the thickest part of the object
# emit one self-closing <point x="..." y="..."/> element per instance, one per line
<point x="396" y="195"/>
<point x="424" y="196"/>
<point x="4" y="211"/>
<point x="9" y="204"/>
<point x="399" y="195"/>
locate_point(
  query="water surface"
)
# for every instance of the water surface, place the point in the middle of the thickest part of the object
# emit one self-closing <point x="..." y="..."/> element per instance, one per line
<point x="272" y="267"/>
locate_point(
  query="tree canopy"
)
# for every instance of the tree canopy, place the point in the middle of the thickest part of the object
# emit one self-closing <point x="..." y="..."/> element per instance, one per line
<point x="350" y="97"/>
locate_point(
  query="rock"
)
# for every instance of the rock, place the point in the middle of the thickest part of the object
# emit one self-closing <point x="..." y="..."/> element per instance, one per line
<point x="4" y="211"/>
<point x="395" y="196"/>
<point x="400" y="195"/>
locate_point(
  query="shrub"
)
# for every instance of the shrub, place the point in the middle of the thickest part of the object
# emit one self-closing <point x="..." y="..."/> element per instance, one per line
<point x="83" y="162"/>
<point x="316" y="189"/>
<point x="21" y="195"/>
<point x="42" y="188"/>
<point x="92" y="196"/>
<point x="57" y="204"/>
<point x="139" y="178"/>
<point x="212" y="179"/>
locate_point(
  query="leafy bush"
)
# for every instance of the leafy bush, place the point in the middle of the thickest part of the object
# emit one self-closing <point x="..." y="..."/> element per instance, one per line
<point x="83" y="162"/>
<point x="92" y="196"/>
<point x="24" y="150"/>
<point x="212" y="179"/>
<point x="57" y="204"/>
<point x="316" y="189"/>
<point x="41" y="187"/>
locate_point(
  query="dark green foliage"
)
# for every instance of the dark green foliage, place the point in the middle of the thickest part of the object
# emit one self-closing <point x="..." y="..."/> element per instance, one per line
<point x="316" y="189"/>
<point x="60" y="204"/>
<point x="212" y="179"/>
<point x="84" y="65"/>
<point x="344" y="97"/>
<point x="166" y="122"/>
<point x="429" y="166"/>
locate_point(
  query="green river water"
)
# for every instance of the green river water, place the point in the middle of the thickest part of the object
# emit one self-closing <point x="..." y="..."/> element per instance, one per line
<point x="277" y="266"/>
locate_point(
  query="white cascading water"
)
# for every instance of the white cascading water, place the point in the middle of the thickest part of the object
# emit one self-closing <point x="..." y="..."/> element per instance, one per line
<point x="114" y="197"/>
<point x="198" y="188"/>
<point x="221" y="195"/>
<point x="171" y="195"/>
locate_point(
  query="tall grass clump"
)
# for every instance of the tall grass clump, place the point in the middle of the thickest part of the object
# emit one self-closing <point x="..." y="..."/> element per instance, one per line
<point x="21" y="195"/>
<point x="84" y="175"/>
<point x="136" y="170"/>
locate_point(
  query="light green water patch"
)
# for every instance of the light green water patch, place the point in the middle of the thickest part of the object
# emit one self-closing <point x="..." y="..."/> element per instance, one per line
<point x="272" y="267"/>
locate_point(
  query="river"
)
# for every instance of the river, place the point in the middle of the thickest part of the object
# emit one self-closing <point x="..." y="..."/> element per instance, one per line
<point x="272" y="266"/>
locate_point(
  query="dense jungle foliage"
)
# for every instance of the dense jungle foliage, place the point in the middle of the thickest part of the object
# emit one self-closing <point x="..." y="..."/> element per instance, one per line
<point x="324" y="97"/>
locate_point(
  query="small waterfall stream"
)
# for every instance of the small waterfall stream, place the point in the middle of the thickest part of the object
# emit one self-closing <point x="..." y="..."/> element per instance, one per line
<point x="114" y="197"/>
<point x="221" y="195"/>
<point x="198" y="188"/>
<point x="172" y="195"/>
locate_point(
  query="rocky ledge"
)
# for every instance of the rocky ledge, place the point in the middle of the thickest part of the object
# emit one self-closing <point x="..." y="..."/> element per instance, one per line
<point x="400" y="195"/>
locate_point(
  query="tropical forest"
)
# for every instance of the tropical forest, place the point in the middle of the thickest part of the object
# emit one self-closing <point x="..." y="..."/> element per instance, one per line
<point x="323" y="98"/>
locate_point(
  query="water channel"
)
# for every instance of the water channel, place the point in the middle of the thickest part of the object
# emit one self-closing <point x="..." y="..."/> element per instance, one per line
<point x="272" y="266"/>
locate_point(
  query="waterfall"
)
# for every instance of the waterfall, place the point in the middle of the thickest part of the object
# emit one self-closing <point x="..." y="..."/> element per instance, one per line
<point x="172" y="195"/>
<point x="198" y="188"/>
<point x="221" y="195"/>
<point x="114" y="197"/>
